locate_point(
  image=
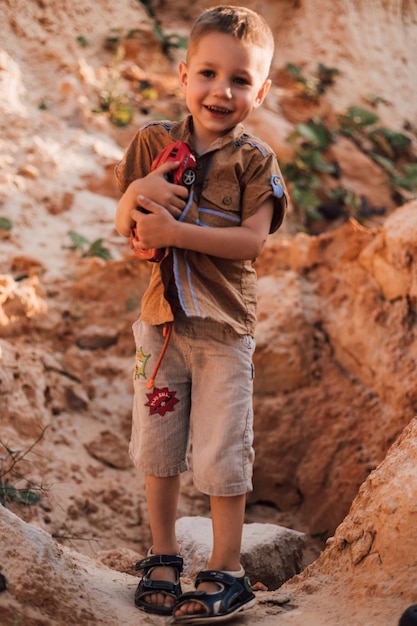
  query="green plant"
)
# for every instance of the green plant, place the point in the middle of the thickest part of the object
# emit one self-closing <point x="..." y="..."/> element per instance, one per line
<point x="391" y="150"/>
<point x="304" y="172"/>
<point x="5" y="224"/>
<point x="315" y="85"/>
<point x="83" y="41"/>
<point x="88" y="248"/>
<point x="10" y="475"/>
<point x="113" y="99"/>
<point x="355" y="118"/>
<point x="311" y="170"/>
<point x="168" y="41"/>
<point x="408" y="179"/>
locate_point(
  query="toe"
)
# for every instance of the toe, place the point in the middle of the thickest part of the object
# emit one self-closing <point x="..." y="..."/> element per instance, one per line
<point x="189" y="608"/>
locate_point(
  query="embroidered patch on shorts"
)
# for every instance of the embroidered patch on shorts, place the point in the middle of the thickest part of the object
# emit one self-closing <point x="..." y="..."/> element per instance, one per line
<point x="140" y="363"/>
<point x="161" y="401"/>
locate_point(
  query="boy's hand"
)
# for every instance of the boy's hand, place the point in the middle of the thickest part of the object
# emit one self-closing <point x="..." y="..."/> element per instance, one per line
<point x="156" y="187"/>
<point x="153" y="186"/>
<point x="155" y="227"/>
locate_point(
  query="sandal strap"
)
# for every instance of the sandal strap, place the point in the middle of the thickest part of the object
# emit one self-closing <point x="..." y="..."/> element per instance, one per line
<point x="234" y="594"/>
<point x="148" y="586"/>
<point x="160" y="560"/>
<point x="215" y="576"/>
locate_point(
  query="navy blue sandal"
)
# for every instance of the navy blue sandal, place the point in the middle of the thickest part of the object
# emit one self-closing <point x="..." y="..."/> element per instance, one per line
<point x="235" y="594"/>
<point x="148" y="586"/>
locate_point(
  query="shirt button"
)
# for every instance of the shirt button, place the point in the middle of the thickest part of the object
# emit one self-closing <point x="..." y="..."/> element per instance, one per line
<point x="227" y="200"/>
<point x="199" y="165"/>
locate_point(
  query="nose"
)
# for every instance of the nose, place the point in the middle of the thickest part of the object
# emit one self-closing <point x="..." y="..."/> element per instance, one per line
<point x="222" y="89"/>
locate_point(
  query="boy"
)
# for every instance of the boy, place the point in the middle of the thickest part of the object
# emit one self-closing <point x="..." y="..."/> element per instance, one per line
<point x="202" y="296"/>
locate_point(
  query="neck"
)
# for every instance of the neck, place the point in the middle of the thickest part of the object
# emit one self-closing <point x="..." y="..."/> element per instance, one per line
<point x="202" y="142"/>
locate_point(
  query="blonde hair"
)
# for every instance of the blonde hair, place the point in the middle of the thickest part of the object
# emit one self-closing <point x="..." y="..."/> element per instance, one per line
<point x="240" y="22"/>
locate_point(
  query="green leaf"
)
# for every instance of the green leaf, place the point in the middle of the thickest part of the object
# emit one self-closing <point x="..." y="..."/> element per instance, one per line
<point x="89" y="249"/>
<point x="96" y="249"/>
<point x="121" y="114"/>
<point x="177" y="41"/>
<point x="316" y="133"/>
<point x="295" y="71"/>
<point x="337" y="194"/>
<point x="314" y="160"/>
<point x="384" y="162"/>
<point x="314" y="215"/>
<point x="327" y="74"/>
<point x="23" y="496"/>
<point x="79" y="242"/>
<point x="290" y="171"/>
<point x="5" y="224"/>
<point x="396" y="141"/>
<point x="305" y="198"/>
<point x="313" y="182"/>
<point x="357" y="116"/>
<point x="113" y="39"/>
<point x="409" y="179"/>
<point x="83" y="41"/>
<point x="148" y="7"/>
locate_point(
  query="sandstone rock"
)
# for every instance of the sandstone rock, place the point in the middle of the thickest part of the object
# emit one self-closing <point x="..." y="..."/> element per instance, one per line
<point x="270" y="554"/>
<point x="373" y="551"/>
<point x="389" y="257"/>
<point x="50" y="584"/>
<point x="111" y="449"/>
<point x="95" y="337"/>
<point x="360" y="174"/>
<point x="284" y="343"/>
<point x="20" y="299"/>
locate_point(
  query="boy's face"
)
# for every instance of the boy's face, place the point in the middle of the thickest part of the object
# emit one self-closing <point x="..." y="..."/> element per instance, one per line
<point x="223" y="81"/>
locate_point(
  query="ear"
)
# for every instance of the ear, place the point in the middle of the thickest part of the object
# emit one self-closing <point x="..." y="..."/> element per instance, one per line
<point x="261" y="95"/>
<point x="183" y="74"/>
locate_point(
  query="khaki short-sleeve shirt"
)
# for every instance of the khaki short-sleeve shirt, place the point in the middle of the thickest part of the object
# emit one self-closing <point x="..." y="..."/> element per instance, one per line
<point x="235" y="176"/>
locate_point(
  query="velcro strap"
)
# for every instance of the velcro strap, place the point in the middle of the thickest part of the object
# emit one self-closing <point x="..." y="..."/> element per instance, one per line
<point x="158" y="560"/>
<point x="216" y="576"/>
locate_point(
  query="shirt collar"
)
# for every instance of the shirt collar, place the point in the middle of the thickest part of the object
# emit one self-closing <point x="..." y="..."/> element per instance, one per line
<point x="183" y="132"/>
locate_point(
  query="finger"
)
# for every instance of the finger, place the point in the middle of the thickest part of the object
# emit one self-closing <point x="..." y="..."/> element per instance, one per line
<point x="181" y="192"/>
<point x="148" y="204"/>
<point x="178" y="203"/>
<point x="167" y="167"/>
<point x="137" y="212"/>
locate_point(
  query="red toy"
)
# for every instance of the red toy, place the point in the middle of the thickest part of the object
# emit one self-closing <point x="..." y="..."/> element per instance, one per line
<point x="183" y="175"/>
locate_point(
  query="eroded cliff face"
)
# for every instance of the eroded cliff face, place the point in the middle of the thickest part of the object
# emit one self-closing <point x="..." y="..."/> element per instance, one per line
<point x="336" y="350"/>
<point x="335" y="362"/>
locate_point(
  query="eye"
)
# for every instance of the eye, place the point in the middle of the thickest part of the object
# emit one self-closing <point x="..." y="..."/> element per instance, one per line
<point x="239" y="80"/>
<point x="207" y="73"/>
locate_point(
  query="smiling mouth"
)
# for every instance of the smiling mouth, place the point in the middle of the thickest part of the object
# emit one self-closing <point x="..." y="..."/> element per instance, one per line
<point x="217" y="110"/>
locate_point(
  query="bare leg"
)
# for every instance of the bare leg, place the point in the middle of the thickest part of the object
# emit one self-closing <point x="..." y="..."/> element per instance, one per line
<point x="228" y="515"/>
<point x="162" y="499"/>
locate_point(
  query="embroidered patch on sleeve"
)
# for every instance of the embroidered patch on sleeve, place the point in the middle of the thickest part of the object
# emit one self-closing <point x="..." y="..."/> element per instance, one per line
<point x="140" y="363"/>
<point x="161" y="401"/>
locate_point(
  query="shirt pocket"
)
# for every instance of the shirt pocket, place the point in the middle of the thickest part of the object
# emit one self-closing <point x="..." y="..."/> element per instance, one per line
<point x="220" y="206"/>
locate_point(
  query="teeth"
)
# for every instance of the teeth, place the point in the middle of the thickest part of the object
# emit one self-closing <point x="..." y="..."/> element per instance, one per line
<point x="217" y="109"/>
